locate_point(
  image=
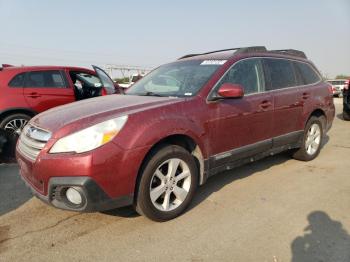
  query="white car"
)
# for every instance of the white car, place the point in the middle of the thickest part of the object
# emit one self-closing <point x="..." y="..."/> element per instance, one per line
<point x="133" y="78"/>
<point x="338" y="86"/>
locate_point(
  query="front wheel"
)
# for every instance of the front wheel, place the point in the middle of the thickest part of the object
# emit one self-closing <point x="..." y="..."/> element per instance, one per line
<point x="312" y="140"/>
<point x="167" y="185"/>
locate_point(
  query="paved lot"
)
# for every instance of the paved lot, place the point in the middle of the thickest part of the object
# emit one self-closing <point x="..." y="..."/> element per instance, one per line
<point x="277" y="209"/>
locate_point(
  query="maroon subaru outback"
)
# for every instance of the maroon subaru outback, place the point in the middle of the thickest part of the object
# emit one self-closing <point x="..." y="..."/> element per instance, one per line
<point x="182" y="123"/>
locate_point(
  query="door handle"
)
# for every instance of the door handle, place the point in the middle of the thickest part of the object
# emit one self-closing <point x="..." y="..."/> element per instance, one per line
<point x="306" y="95"/>
<point x="265" y="104"/>
<point x="34" y="95"/>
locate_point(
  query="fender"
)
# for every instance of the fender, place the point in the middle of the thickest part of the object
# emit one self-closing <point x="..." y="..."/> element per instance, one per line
<point x="158" y="128"/>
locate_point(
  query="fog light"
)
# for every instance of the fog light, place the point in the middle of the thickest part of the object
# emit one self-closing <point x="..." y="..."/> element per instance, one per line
<point x="74" y="196"/>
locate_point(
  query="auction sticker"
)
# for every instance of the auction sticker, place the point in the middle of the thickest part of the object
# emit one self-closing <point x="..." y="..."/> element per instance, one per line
<point x="213" y="62"/>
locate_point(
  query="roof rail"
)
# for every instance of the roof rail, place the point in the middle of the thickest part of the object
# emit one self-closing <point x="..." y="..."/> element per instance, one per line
<point x="237" y="49"/>
<point x="292" y="52"/>
<point x="211" y="52"/>
<point x="5" y="65"/>
<point x="252" y="49"/>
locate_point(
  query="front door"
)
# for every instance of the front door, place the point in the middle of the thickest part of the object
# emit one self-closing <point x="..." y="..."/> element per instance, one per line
<point x="241" y="127"/>
<point x="46" y="89"/>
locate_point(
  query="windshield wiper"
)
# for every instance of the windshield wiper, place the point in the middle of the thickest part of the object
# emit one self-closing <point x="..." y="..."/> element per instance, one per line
<point x="151" y="94"/>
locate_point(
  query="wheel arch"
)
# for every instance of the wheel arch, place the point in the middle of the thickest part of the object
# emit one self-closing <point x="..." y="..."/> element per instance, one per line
<point x="318" y="113"/>
<point x="182" y="140"/>
<point x="19" y="110"/>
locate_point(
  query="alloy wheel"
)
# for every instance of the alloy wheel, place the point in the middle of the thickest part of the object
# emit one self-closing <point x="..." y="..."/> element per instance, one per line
<point x="313" y="139"/>
<point x="170" y="184"/>
<point x="15" y="126"/>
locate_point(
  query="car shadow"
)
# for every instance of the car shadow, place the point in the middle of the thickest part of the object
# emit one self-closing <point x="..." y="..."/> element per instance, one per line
<point x="128" y="212"/>
<point x="324" y="240"/>
<point x="340" y="116"/>
<point x="217" y="182"/>
<point x="13" y="192"/>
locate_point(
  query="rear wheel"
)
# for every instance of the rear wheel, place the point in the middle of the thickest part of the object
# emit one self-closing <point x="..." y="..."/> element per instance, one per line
<point x="312" y="140"/>
<point x="167" y="185"/>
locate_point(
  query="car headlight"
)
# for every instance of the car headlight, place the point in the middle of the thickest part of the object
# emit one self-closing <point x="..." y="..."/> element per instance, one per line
<point x="90" y="138"/>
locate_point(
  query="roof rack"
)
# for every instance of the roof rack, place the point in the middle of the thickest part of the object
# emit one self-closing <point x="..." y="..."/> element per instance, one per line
<point x="252" y="49"/>
<point x="292" y="52"/>
<point x="5" y="65"/>
<point x="207" y="53"/>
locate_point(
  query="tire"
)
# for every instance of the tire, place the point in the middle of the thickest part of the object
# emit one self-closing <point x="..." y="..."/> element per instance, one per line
<point x="309" y="150"/>
<point x="156" y="174"/>
<point x="14" y="123"/>
<point x="12" y="134"/>
<point x="346" y="115"/>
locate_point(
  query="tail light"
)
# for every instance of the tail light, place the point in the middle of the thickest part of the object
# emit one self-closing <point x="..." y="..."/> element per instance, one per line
<point x="103" y="92"/>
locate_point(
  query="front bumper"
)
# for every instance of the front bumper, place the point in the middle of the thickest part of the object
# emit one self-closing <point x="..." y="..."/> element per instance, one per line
<point x="105" y="176"/>
<point x="94" y="198"/>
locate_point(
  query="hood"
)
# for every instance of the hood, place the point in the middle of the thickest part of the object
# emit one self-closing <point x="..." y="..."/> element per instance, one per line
<point x="79" y="115"/>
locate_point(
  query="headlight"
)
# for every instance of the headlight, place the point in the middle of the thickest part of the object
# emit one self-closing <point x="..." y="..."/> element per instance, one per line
<point x="90" y="138"/>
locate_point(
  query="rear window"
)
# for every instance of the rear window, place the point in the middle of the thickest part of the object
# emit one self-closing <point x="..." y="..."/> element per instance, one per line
<point x="45" y="79"/>
<point x="17" y="81"/>
<point x="307" y="73"/>
<point x="281" y="73"/>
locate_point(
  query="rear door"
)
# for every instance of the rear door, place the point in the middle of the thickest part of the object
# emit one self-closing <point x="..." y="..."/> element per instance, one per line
<point x="46" y="89"/>
<point x="283" y="85"/>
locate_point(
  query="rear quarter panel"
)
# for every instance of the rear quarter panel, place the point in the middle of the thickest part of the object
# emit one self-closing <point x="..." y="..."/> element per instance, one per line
<point x="320" y="98"/>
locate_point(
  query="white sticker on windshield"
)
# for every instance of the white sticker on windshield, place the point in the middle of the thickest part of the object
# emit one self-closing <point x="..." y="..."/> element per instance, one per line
<point x="188" y="94"/>
<point x="213" y="62"/>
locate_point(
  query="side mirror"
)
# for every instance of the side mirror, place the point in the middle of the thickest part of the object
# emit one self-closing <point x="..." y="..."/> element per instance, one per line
<point x="228" y="90"/>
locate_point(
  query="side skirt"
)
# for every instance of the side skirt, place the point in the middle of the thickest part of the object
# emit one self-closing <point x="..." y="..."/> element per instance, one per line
<point x="241" y="156"/>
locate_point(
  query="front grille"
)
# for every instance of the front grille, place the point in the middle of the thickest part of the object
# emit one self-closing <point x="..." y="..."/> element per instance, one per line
<point x="32" y="141"/>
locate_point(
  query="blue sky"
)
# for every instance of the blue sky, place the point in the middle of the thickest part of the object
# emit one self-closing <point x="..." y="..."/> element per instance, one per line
<point x="149" y="33"/>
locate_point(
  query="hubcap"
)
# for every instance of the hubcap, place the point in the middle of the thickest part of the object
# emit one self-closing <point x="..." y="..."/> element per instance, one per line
<point x="170" y="184"/>
<point x="313" y="139"/>
<point x="16" y="126"/>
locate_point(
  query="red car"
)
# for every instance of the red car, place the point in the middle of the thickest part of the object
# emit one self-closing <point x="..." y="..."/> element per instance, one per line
<point x="27" y="91"/>
<point x="180" y="124"/>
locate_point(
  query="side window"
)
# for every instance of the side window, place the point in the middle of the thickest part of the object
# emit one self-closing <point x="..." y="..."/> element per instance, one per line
<point x="308" y="75"/>
<point x="45" y="79"/>
<point x="247" y="73"/>
<point x="17" y="81"/>
<point x="281" y="73"/>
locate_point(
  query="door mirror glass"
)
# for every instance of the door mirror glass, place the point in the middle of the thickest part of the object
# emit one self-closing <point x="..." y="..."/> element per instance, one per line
<point x="228" y="90"/>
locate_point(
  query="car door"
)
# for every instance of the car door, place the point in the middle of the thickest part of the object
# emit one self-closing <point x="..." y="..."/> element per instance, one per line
<point x="241" y="127"/>
<point x="109" y="86"/>
<point x="283" y="84"/>
<point x="46" y="89"/>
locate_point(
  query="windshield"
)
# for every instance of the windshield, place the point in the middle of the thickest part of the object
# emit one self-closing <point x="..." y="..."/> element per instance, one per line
<point x="178" y="79"/>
